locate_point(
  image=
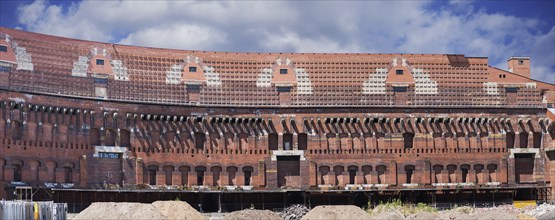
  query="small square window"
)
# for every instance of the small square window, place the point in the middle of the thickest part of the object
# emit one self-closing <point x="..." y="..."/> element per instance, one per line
<point x="282" y="71"/>
<point x="520" y="62"/>
<point x="3" y="48"/>
<point x="99" y="62"/>
<point x="399" y="72"/>
<point x="193" y="69"/>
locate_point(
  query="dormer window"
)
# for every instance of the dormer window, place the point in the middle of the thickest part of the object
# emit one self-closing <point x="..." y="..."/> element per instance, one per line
<point x="282" y="71"/>
<point x="100" y="62"/>
<point x="192" y="69"/>
<point x="399" y="72"/>
<point x="3" y="48"/>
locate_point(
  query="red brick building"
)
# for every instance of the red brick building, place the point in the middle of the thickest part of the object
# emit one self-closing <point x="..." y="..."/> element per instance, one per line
<point x="89" y="116"/>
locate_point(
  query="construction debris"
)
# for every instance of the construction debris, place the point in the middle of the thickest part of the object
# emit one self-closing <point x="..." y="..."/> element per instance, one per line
<point x="294" y="212"/>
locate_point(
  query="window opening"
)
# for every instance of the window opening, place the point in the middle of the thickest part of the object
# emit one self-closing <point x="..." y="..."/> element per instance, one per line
<point x="399" y="72"/>
<point x="282" y="71"/>
<point x="3" y="48"/>
<point x="100" y="62"/>
<point x="192" y="69"/>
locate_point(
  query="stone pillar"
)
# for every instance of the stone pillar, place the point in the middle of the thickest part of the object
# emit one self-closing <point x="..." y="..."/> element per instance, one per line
<point x="511" y="178"/>
<point x="271" y="174"/>
<point x="240" y="177"/>
<point x="192" y="177"/>
<point x="392" y="177"/>
<point x="261" y="171"/>
<point x="443" y="176"/>
<point x="208" y="178"/>
<point x="224" y="178"/>
<point x="345" y="178"/>
<point x="359" y="179"/>
<point x="295" y="141"/>
<point x="313" y="174"/>
<point x="471" y="175"/>
<point x="280" y="141"/>
<point x="60" y="178"/>
<point x="160" y="176"/>
<point x="305" y="171"/>
<point x="8" y="173"/>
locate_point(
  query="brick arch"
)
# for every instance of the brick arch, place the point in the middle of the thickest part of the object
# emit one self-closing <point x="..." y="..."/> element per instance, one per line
<point x="382" y="172"/>
<point x="437" y="170"/>
<point x="216" y="171"/>
<point x="451" y="172"/>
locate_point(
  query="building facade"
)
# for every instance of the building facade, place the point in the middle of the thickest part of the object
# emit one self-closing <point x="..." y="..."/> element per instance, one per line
<point x="87" y="115"/>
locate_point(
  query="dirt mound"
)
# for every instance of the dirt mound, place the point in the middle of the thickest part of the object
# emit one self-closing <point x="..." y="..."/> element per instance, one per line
<point x="547" y="215"/>
<point x="495" y="215"/>
<point x="120" y="210"/>
<point x="178" y="210"/>
<point x="454" y="215"/>
<point x="424" y="216"/>
<point x="336" y="212"/>
<point x="390" y="215"/>
<point x="253" y="214"/>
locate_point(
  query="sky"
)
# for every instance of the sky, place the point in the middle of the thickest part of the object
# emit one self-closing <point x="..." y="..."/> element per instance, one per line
<point x="495" y="29"/>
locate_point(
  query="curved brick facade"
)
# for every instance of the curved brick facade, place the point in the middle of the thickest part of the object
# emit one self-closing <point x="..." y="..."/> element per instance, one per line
<point x="95" y="115"/>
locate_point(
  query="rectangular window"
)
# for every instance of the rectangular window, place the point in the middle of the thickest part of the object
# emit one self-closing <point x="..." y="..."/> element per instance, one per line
<point x="3" y="48"/>
<point x="284" y="89"/>
<point x="399" y="72"/>
<point x="282" y="71"/>
<point x="100" y="62"/>
<point x="192" y="69"/>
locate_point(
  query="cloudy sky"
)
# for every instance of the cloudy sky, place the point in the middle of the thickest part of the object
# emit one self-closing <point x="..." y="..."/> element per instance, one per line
<point x="494" y="29"/>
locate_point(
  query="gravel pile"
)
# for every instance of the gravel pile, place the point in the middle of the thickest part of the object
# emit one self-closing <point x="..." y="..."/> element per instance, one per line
<point x="294" y="212"/>
<point x="119" y="210"/>
<point x="252" y="214"/>
<point x="178" y="210"/>
<point x="540" y="210"/>
<point x="336" y="212"/>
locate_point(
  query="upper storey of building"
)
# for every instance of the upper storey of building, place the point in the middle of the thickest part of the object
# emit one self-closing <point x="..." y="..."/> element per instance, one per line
<point x="37" y="63"/>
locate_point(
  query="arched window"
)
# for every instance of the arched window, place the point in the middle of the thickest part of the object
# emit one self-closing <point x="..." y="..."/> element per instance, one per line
<point x="247" y="173"/>
<point x="287" y="141"/>
<point x="409" y="171"/>
<point x="408" y="139"/>
<point x="273" y="141"/>
<point x="152" y="169"/>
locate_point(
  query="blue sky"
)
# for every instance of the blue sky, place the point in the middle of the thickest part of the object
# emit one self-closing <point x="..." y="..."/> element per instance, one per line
<point x="494" y="29"/>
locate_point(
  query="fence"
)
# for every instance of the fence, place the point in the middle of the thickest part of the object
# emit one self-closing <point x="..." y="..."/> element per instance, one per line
<point x="16" y="210"/>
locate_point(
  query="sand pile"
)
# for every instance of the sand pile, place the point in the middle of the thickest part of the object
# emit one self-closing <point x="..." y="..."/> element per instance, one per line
<point x="253" y="214"/>
<point x="390" y="215"/>
<point x="336" y="212"/>
<point x="178" y="210"/>
<point x="120" y="210"/>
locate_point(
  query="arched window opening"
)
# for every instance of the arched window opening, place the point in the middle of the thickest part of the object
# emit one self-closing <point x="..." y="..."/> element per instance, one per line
<point x="451" y="171"/>
<point x="408" y="139"/>
<point x="523" y="139"/>
<point x="247" y="173"/>
<point x="17" y="173"/>
<point x="437" y="173"/>
<point x="409" y="171"/>
<point x="288" y="141"/>
<point x="273" y="141"/>
<point x="352" y="173"/>
<point x="381" y="169"/>
<point x="303" y="141"/>
<point x="152" y="169"/>
<point x="68" y="175"/>
<point x="199" y="140"/>
<point x="510" y="137"/>
<point x="232" y="172"/>
<point x="537" y="139"/>
<point x="464" y="172"/>
<point x="200" y="175"/>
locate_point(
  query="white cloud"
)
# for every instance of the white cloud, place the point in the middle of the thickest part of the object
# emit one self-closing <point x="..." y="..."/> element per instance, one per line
<point x="373" y="26"/>
<point x="177" y="35"/>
